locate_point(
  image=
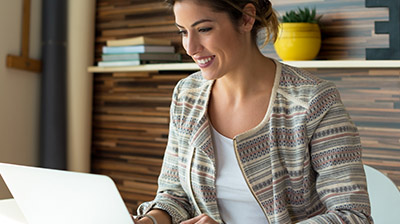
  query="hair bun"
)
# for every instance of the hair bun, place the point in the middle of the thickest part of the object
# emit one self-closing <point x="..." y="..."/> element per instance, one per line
<point x="265" y="8"/>
<point x="264" y="3"/>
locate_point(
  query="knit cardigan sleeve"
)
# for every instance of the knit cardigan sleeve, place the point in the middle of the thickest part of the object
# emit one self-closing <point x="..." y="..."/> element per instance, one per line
<point x="335" y="151"/>
<point x="171" y="196"/>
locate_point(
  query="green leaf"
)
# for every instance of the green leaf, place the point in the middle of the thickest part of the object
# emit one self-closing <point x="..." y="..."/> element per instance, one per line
<point x="302" y="15"/>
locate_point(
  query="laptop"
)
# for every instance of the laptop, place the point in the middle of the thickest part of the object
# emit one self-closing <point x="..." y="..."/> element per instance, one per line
<point x="47" y="196"/>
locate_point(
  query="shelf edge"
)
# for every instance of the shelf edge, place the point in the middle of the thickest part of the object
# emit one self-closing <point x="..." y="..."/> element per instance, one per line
<point x="300" y="64"/>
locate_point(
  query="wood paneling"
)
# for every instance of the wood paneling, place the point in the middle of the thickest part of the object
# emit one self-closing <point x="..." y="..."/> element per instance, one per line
<point x="116" y="19"/>
<point x="130" y="129"/>
<point x="372" y="98"/>
<point x="130" y="125"/>
<point x="130" y="117"/>
<point x="347" y="27"/>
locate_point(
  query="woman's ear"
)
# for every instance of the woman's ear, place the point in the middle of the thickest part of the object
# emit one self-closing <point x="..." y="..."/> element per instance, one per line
<point x="249" y="17"/>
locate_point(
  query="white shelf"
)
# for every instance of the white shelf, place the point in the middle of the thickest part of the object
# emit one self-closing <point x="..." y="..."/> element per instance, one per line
<point x="345" y="64"/>
<point x="299" y="64"/>
<point x="146" y="68"/>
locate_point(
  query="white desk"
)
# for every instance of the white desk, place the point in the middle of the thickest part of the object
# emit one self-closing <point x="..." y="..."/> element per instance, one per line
<point x="10" y="213"/>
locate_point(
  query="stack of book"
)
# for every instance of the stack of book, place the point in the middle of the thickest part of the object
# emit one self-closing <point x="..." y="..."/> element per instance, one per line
<point x="137" y="51"/>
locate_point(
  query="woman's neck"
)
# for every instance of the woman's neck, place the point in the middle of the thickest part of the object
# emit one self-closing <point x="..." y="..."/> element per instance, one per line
<point x="255" y="75"/>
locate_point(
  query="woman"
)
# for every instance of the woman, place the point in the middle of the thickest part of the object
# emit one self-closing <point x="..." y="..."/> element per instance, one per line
<point x="252" y="140"/>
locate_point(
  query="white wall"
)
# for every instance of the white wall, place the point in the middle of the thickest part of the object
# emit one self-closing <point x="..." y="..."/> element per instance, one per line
<point x="19" y="90"/>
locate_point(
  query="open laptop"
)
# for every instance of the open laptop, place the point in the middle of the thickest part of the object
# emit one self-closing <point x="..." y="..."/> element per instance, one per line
<point x="47" y="196"/>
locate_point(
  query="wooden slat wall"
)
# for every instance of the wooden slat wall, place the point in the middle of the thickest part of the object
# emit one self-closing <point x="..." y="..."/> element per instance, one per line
<point x="372" y="98"/>
<point x="130" y="117"/>
<point x="130" y="125"/>
<point x="118" y="19"/>
<point x="130" y="129"/>
<point x="347" y="27"/>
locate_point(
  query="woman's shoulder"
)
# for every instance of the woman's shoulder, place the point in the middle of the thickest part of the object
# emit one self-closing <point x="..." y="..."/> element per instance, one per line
<point x="293" y="76"/>
<point x="301" y="87"/>
<point x="194" y="80"/>
<point x="301" y="80"/>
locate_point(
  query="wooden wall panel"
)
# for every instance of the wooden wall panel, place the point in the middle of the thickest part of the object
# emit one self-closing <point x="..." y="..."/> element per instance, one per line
<point x="347" y="27"/>
<point x="118" y="19"/>
<point x="131" y="114"/>
<point x="372" y="98"/>
<point x="130" y="117"/>
<point x="130" y="130"/>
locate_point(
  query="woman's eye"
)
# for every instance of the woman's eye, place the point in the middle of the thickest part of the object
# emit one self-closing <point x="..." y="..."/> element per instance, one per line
<point x="205" y="29"/>
<point x="182" y="32"/>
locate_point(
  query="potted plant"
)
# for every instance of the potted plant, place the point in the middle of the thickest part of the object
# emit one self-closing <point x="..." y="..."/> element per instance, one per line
<point x="299" y="35"/>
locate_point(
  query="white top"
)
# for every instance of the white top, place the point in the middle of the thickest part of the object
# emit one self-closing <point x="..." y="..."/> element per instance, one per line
<point x="236" y="203"/>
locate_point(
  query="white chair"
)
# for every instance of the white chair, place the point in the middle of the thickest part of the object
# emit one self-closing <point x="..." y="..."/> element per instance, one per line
<point x="384" y="196"/>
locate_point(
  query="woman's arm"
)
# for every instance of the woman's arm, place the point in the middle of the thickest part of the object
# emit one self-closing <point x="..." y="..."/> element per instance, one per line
<point x="160" y="216"/>
<point x="335" y="150"/>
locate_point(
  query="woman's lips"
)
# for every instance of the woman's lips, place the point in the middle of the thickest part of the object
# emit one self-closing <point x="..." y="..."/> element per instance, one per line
<point x="205" y="61"/>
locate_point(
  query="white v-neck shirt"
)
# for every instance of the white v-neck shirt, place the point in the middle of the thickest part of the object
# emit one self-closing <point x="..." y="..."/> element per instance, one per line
<point x="236" y="203"/>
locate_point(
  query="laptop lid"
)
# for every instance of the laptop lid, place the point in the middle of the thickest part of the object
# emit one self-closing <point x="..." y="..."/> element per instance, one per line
<point x="47" y="196"/>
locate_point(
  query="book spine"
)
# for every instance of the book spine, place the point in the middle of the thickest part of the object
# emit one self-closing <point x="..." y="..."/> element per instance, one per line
<point x="142" y="56"/>
<point x="138" y="49"/>
<point x="121" y="50"/>
<point x="118" y="63"/>
<point x="120" y="57"/>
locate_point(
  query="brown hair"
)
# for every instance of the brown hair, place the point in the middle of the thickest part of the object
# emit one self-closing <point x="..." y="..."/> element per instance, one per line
<point x="265" y="15"/>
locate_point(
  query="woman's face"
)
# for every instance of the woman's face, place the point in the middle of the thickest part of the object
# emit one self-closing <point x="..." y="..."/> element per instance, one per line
<point x="209" y="37"/>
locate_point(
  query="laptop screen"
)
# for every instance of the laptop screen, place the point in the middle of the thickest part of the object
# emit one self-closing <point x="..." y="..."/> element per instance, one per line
<point x="47" y="196"/>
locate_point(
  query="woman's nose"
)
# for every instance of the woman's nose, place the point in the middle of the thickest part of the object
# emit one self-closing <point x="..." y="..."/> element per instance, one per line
<point x="192" y="45"/>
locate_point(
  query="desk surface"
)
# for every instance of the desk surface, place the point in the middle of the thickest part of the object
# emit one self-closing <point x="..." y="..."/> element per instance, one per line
<point x="10" y="213"/>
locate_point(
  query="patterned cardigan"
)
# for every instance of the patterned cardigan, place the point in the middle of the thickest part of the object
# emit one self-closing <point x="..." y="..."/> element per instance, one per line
<point x="302" y="163"/>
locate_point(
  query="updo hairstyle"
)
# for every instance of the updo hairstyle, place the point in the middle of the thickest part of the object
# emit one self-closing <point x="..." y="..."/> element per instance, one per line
<point x="265" y="15"/>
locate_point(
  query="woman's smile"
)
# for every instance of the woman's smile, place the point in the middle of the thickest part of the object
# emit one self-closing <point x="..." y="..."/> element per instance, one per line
<point x="204" y="62"/>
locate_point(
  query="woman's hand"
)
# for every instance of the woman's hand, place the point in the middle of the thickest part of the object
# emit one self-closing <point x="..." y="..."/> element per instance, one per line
<point x="158" y="215"/>
<point x="144" y="220"/>
<point x="201" y="219"/>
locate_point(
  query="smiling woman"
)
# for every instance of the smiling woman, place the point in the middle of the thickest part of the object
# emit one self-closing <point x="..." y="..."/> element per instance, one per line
<point x="252" y="140"/>
<point x="210" y="39"/>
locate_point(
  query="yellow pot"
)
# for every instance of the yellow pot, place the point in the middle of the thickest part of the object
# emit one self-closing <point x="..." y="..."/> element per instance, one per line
<point x="298" y="41"/>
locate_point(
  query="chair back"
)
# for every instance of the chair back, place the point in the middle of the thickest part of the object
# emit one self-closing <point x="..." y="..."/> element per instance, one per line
<point x="384" y="197"/>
